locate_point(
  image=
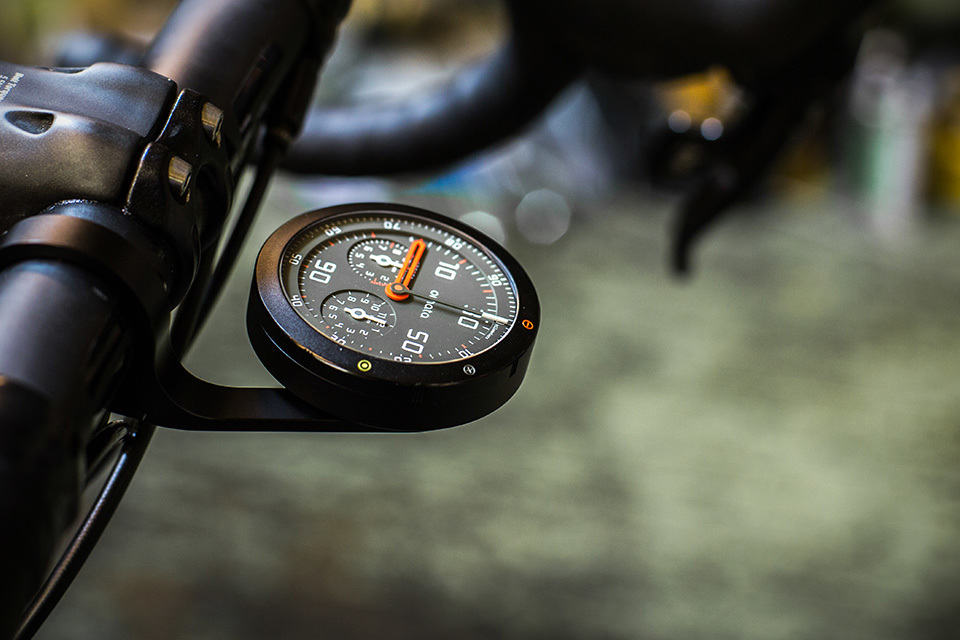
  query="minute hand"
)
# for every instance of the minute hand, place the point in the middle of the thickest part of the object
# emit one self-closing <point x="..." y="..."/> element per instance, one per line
<point x="463" y="309"/>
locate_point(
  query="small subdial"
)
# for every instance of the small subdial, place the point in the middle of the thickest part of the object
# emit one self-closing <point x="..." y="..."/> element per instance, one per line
<point x="377" y="260"/>
<point x="357" y="315"/>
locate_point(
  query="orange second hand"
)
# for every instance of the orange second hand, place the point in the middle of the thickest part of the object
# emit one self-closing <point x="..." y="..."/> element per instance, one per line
<point x="406" y="269"/>
<point x="406" y="262"/>
<point x="412" y="267"/>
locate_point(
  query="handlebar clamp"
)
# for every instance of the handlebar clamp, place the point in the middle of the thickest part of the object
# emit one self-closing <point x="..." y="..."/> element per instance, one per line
<point x="183" y="183"/>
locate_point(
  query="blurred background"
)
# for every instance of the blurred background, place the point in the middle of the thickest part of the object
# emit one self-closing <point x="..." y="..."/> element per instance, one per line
<point x="767" y="449"/>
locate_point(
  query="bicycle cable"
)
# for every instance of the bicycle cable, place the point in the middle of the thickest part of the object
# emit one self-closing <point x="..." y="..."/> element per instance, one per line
<point x="68" y="566"/>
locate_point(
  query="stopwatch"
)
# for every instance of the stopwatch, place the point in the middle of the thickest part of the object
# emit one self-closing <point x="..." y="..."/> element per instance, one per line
<point x="392" y="316"/>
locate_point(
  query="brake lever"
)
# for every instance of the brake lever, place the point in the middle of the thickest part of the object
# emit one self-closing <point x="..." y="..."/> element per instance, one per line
<point x="738" y="166"/>
<point x="748" y="153"/>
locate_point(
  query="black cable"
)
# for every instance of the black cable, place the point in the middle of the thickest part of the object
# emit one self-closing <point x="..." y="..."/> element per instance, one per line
<point x="87" y="536"/>
<point x="104" y="444"/>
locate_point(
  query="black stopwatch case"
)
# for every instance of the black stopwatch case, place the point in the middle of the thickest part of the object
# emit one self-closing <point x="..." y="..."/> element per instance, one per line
<point x="377" y="392"/>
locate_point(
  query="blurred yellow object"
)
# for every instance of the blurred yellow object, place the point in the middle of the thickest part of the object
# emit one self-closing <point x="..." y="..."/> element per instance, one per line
<point x="944" y="168"/>
<point x="698" y="100"/>
<point x="18" y="29"/>
<point x="393" y="12"/>
<point x="142" y="17"/>
<point x="27" y="24"/>
<point x="454" y="27"/>
<point x="712" y="94"/>
<point x="803" y="173"/>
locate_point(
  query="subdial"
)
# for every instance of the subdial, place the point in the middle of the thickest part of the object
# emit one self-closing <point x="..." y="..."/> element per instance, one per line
<point x="356" y="315"/>
<point x="377" y="260"/>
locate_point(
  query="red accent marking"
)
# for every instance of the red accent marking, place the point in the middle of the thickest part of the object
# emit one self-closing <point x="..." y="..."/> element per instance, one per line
<point x="488" y="290"/>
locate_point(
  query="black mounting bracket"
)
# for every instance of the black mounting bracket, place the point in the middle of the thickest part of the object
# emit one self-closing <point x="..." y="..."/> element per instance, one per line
<point x="176" y="398"/>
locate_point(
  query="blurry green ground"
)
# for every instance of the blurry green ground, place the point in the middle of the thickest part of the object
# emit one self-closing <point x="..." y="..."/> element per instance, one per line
<point x="767" y="451"/>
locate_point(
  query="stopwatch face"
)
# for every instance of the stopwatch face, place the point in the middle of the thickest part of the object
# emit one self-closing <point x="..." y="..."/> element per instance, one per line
<point x="412" y="315"/>
<point x="456" y="300"/>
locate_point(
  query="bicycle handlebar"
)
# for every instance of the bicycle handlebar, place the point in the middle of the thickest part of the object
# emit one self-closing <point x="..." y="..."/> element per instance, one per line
<point x="62" y="352"/>
<point x="70" y="325"/>
<point x="237" y="53"/>
<point x="479" y="107"/>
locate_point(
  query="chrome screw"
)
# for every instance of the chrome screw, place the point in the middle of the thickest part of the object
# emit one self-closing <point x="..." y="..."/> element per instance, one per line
<point x="212" y="118"/>
<point x="180" y="175"/>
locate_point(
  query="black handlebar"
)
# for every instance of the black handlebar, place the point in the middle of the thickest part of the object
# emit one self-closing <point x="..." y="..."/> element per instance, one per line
<point x="479" y="107"/>
<point x="69" y="323"/>
<point x="61" y="353"/>
<point x="239" y="53"/>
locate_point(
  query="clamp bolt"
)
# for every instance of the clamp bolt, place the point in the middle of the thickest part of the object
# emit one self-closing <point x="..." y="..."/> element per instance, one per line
<point x="180" y="175"/>
<point x="212" y="119"/>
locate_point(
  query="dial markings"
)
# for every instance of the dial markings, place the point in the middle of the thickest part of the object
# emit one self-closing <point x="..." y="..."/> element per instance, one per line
<point x="443" y="306"/>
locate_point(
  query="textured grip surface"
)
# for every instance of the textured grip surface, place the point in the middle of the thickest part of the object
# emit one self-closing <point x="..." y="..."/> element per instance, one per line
<point x="61" y="352"/>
